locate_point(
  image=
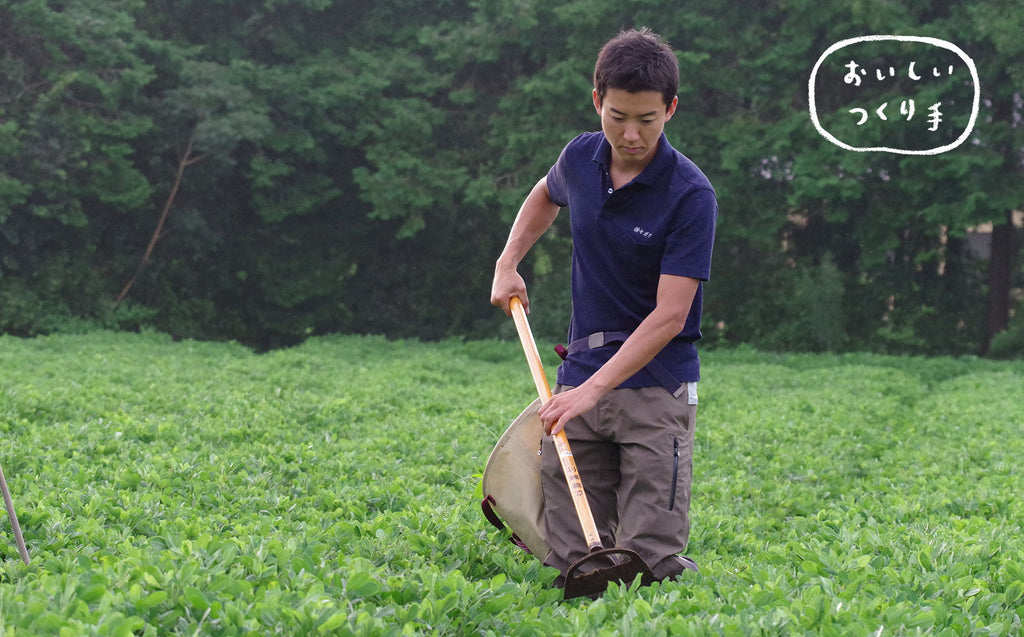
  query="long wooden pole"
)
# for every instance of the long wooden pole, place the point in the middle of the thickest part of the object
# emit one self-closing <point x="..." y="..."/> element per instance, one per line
<point x="572" y="475"/>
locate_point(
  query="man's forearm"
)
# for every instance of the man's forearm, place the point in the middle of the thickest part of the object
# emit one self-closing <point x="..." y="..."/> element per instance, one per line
<point x="651" y="336"/>
<point x="535" y="216"/>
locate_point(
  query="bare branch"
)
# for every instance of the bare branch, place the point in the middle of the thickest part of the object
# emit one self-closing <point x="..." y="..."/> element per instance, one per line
<point x="185" y="160"/>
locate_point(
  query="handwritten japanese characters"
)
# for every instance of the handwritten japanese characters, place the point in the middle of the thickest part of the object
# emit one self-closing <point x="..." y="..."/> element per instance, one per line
<point x="899" y="94"/>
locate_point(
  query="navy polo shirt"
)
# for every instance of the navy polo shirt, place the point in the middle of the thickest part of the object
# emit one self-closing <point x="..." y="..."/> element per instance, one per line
<point x="662" y="222"/>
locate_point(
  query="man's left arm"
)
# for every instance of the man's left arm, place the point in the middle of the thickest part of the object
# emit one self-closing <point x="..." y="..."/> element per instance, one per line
<point x="675" y="296"/>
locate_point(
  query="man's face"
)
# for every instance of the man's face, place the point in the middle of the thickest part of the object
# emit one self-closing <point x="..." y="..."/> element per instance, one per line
<point x="632" y="124"/>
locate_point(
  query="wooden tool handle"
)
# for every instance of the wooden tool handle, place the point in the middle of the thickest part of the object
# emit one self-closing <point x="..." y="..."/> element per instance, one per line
<point x="572" y="475"/>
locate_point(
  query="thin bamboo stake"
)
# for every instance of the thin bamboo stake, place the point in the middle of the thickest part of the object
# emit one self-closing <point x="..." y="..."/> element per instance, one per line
<point x="13" y="517"/>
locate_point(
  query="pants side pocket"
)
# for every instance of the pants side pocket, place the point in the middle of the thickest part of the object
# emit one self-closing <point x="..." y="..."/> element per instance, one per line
<point x="675" y="474"/>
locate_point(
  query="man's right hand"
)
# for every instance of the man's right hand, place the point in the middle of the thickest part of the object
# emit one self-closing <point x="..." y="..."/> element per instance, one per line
<point x="506" y="284"/>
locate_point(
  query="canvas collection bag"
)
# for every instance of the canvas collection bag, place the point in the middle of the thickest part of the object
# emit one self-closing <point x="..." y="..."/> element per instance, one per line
<point x="511" y="483"/>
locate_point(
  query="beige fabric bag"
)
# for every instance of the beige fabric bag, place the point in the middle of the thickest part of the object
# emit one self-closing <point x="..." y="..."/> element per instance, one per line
<point x="511" y="483"/>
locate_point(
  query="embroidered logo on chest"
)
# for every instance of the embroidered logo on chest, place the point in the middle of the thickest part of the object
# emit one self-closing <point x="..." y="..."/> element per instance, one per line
<point x="642" y="233"/>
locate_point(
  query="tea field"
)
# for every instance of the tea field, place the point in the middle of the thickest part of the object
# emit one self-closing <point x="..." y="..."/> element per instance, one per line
<point x="184" y="488"/>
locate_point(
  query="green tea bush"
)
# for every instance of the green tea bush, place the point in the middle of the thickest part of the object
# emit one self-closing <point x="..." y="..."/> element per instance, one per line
<point x="190" y="488"/>
<point x="1010" y="342"/>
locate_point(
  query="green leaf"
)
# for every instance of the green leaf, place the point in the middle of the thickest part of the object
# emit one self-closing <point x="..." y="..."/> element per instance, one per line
<point x="335" y="621"/>
<point x="925" y="560"/>
<point x="498" y="604"/>
<point x="93" y="593"/>
<point x="362" y="584"/>
<point x="150" y="601"/>
<point x="1014" y="592"/>
<point x="197" y="599"/>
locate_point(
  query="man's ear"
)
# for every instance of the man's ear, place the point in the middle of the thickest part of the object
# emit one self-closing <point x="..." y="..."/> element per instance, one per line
<point x="597" y="102"/>
<point x="672" y="108"/>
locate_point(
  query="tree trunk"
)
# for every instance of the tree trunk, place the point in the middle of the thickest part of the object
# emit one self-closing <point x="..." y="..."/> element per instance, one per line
<point x="1000" y="279"/>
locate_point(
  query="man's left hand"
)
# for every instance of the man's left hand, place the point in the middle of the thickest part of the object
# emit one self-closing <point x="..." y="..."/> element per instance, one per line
<point x="565" y="406"/>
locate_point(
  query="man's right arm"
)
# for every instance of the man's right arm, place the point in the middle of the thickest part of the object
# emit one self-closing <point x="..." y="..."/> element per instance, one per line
<point x="535" y="216"/>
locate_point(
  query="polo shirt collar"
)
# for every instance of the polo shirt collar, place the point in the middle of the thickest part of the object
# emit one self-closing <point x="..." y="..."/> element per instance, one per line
<point x="662" y="160"/>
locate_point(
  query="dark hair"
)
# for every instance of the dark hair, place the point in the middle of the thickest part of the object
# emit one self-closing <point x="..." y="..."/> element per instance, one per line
<point x="637" y="60"/>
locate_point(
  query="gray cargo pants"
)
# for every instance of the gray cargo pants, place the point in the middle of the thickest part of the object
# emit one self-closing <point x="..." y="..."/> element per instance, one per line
<point x="634" y="452"/>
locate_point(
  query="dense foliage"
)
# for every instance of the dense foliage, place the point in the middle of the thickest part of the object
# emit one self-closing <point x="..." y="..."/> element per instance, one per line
<point x="199" y="489"/>
<point x="324" y="166"/>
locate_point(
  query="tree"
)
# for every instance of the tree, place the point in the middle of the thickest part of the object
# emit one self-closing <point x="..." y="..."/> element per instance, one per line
<point x="219" y="113"/>
<point x="72" y="80"/>
<point x="293" y="167"/>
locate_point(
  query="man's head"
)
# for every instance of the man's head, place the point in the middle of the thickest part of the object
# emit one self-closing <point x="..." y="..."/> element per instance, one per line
<point x="635" y="84"/>
<point x="634" y="61"/>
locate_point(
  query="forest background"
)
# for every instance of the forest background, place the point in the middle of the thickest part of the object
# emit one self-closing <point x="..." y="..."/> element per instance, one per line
<point x="268" y="170"/>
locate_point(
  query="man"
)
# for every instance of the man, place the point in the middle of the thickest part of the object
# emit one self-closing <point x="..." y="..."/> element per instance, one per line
<point x="643" y="220"/>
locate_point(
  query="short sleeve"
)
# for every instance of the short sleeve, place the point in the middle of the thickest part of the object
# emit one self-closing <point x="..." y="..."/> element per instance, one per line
<point x="689" y="244"/>
<point x="558" y="189"/>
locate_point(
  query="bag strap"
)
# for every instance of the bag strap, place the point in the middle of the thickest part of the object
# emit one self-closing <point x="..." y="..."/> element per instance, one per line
<point x="487" y="504"/>
<point x="655" y="368"/>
